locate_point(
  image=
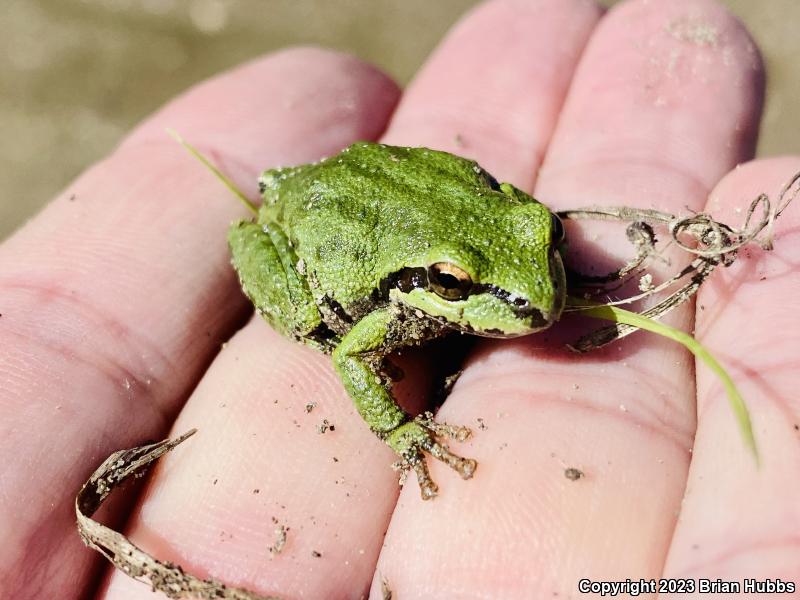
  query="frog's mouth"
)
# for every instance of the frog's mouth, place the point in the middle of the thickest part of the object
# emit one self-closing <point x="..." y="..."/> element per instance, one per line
<point x="528" y="318"/>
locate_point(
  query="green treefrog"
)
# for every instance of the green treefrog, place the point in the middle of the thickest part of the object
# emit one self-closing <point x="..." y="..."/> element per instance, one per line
<point x="383" y="247"/>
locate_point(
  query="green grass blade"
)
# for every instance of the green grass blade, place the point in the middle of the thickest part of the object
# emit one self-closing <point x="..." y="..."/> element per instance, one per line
<point x="619" y="315"/>
<point x="211" y="167"/>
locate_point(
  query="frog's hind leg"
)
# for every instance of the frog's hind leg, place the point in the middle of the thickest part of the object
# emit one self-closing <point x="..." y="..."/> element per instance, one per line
<point x="413" y="439"/>
<point x="268" y="271"/>
<point x="358" y="359"/>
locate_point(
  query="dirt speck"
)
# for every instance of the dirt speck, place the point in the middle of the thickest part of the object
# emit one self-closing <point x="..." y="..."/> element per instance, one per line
<point x="573" y="474"/>
<point x="386" y="591"/>
<point x="281" y="533"/>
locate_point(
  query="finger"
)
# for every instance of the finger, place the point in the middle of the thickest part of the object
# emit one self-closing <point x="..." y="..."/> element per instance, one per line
<point x="492" y="91"/>
<point x="642" y="125"/>
<point x="351" y="499"/>
<point x="119" y="293"/>
<point x="739" y="519"/>
<point x="515" y="61"/>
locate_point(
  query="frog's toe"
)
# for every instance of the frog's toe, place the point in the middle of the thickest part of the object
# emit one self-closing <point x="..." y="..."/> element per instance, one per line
<point x="463" y="466"/>
<point x="427" y="487"/>
<point x="413" y="439"/>
<point x="458" y="433"/>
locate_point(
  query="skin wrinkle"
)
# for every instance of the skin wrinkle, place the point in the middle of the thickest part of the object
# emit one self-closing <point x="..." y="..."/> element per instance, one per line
<point x="38" y="562"/>
<point x="106" y="330"/>
<point x="732" y="506"/>
<point x="681" y="441"/>
<point x="702" y="568"/>
<point x="730" y="289"/>
<point x="113" y="372"/>
<point x="756" y="378"/>
<point x="34" y="555"/>
<point x="518" y="351"/>
<point x="237" y="168"/>
<point x="643" y="415"/>
<point x="574" y="164"/>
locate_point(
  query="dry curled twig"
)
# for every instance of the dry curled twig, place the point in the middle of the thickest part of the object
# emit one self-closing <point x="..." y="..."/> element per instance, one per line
<point x="165" y="577"/>
<point x="710" y="241"/>
<point x="643" y="238"/>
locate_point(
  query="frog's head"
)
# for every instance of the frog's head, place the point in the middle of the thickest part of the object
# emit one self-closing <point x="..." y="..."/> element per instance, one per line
<point x="501" y="275"/>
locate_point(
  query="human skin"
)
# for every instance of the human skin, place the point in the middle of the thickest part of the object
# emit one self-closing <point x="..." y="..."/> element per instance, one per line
<point x="116" y="298"/>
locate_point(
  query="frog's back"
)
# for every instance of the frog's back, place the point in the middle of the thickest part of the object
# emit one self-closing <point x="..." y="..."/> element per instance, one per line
<point x="374" y="209"/>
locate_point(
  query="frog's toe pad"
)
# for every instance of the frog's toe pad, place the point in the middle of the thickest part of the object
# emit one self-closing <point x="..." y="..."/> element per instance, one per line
<point x="413" y="439"/>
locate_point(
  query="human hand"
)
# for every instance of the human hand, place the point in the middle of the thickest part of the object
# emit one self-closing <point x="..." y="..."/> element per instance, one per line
<point x="116" y="298"/>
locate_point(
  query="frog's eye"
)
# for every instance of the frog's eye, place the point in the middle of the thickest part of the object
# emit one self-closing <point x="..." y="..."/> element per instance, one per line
<point x="557" y="235"/>
<point x="449" y="281"/>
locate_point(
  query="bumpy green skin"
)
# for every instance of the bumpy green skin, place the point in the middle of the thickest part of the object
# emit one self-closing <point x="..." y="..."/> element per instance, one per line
<point x="322" y="262"/>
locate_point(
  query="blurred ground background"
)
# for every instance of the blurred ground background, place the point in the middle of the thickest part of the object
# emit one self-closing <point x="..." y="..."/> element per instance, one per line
<point x="76" y="74"/>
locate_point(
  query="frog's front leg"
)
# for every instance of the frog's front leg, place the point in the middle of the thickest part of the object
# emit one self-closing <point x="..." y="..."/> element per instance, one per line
<point x="358" y="359"/>
<point x="267" y="269"/>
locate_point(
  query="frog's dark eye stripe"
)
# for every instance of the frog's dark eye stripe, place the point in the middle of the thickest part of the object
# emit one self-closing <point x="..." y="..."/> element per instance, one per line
<point x="521" y="307"/>
<point x="453" y="283"/>
<point x="449" y="281"/>
<point x="408" y="279"/>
